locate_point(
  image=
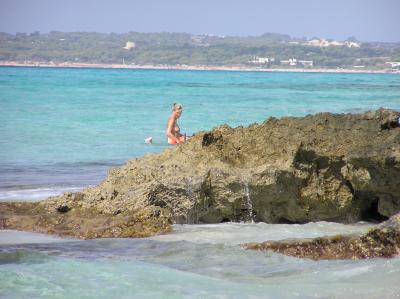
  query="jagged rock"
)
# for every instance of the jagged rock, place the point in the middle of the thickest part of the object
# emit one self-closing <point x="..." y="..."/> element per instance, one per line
<point x="380" y="241"/>
<point x="337" y="167"/>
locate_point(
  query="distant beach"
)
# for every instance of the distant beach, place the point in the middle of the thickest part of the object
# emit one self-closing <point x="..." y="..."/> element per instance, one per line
<point x="194" y="67"/>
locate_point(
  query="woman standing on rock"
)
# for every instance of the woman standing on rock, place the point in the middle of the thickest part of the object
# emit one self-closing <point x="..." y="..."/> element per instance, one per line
<point x="173" y="131"/>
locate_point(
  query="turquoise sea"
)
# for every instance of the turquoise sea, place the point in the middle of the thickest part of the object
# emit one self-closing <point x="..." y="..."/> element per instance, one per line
<point x="61" y="129"/>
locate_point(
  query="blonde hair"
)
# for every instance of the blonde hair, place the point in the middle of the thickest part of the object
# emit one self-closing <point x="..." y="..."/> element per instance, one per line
<point x="176" y="107"/>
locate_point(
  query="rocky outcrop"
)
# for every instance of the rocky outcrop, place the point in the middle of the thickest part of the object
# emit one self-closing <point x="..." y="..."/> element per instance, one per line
<point x="381" y="241"/>
<point x="83" y="223"/>
<point x="337" y="167"/>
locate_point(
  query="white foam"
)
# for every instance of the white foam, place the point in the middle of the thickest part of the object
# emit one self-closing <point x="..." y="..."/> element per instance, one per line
<point x="237" y="233"/>
<point x="34" y="194"/>
<point x="8" y="237"/>
<point x="355" y="271"/>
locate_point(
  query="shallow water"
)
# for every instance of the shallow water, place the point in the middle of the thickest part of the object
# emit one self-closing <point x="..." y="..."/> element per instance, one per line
<point x="195" y="261"/>
<point x="62" y="129"/>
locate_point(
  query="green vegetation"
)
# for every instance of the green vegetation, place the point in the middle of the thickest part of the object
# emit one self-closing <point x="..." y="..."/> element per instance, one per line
<point x="183" y="48"/>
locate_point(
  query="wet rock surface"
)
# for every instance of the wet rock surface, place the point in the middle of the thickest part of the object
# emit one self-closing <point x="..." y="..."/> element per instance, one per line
<point x="334" y="167"/>
<point x="382" y="241"/>
<point x="82" y="223"/>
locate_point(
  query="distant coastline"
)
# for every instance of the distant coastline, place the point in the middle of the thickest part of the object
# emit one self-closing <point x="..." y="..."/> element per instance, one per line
<point x="193" y="67"/>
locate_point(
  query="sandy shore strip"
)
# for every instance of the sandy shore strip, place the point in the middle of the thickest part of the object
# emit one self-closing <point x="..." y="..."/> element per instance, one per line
<point x="194" y="67"/>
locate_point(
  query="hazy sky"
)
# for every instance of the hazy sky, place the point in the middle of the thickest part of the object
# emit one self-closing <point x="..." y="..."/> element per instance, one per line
<point x="368" y="20"/>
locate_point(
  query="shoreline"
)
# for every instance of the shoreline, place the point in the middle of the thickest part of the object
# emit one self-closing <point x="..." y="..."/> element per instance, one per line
<point x="192" y="68"/>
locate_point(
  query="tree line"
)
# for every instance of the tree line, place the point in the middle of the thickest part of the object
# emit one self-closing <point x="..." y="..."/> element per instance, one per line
<point x="187" y="49"/>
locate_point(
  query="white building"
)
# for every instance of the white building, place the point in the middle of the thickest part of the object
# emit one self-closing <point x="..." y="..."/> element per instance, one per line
<point x="129" y="45"/>
<point x="394" y="64"/>
<point x="318" y="43"/>
<point x="325" y="43"/>
<point x="308" y="63"/>
<point x="261" y="60"/>
<point x="335" y="43"/>
<point x="291" y="62"/>
<point x="351" y="44"/>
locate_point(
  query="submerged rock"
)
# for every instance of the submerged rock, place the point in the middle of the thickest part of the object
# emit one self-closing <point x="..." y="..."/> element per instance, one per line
<point x="337" y="167"/>
<point x="380" y="241"/>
